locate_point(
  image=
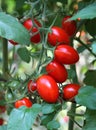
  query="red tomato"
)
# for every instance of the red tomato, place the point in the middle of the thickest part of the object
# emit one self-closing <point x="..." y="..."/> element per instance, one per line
<point x="47" y="88"/>
<point x="70" y="26"/>
<point x="70" y="91"/>
<point x="1" y="121"/>
<point x="57" y="71"/>
<point x="32" y="86"/>
<point x="23" y="102"/>
<point x="28" y="24"/>
<point x="13" y="42"/>
<point x="58" y="35"/>
<point x="2" y="109"/>
<point x="66" y="54"/>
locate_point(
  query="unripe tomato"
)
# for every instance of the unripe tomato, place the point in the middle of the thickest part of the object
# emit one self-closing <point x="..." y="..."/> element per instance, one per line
<point x="1" y="121"/>
<point x="23" y="102"/>
<point x="32" y="86"/>
<point x="57" y="71"/>
<point x="28" y="24"/>
<point x="69" y="26"/>
<point x="58" y="35"/>
<point x="2" y="109"/>
<point x="13" y="42"/>
<point x="47" y="88"/>
<point x="66" y="54"/>
<point x="70" y="91"/>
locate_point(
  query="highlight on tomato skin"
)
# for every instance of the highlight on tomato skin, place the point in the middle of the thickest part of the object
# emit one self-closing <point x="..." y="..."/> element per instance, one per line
<point x="58" y="36"/>
<point x="57" y="71"/>
<point x="70" y="91"/>
<point x="47" y="88"/>
<point x="66" y="54"/>
<point x="23" y="102"/>
<point x="69" y="26"/>
<point x="33" y="28"/>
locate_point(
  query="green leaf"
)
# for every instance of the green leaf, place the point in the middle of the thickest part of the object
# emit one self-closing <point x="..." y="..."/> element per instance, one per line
<point x="12" y="29"/>
<point x="94" y="47"/>
<point x="71" y="73"/>
<point x="23" y="118"/>
<point x="3" y="127"/>
<point x="87" y="97"/>
<point x="48" y="108"/>
<point x="47" y="118"/>
<point x="90" y="117"/>
<point x="90" y="78"/>
<point x="89" y="12"/>
<point x="24" y="54"/>
<point x="89" y="25"/>
<point x="53" y="125"/>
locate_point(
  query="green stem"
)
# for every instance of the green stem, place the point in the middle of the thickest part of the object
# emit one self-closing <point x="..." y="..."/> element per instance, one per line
<point x="78" y="39"/>
<point x="73" y="105"/>
<point x="5" y="58"/>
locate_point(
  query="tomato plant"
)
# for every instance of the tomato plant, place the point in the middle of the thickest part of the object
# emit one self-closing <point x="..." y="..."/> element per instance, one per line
<point x="33" y="28"/>
<point x="54" y="77"/>
<point x="47" y="88"/>
<point x="70" y="91"/>
<point x="58" y="36"/>
<point x="66" y="54"/>
<point x="23" y="102"/>
<point x="57" y="71"/>
<point x="69" y="26"/>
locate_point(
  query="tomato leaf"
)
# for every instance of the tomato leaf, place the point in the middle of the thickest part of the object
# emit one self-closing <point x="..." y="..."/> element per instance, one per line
<point x="48" y="108"/>
<point x="53" y="125"/>
<point x="23" y="118"/>
<point x="90" y="117"/>
<point x="24" y="54"/>
<point x="94" y="47"/>
<point x="3" y="127"/>
<point x="87" y="97"/>
<point x="12" y="29"/>
<point x="90" y="78"/>
<point x="89" y="12"/>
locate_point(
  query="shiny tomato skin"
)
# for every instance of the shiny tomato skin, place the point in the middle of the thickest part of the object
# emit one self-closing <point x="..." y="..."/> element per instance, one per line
<point x="57" y="71"/>
<point x="69" y="26"/>
<point x="28" y="24"/>
<point x="23" y="102"/>
<point x="13" y="42"/>
<point x="47" y="88"/>
<point x="32" y="86"/>
<point x="66" y="54"/>
<point x="1" y="121"/>
<point x="70" y="91"/>
<point x="58" y="36"/>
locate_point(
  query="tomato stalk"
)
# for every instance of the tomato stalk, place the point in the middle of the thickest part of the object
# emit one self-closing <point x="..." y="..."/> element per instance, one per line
<point x="73" y="105"/>
<point x="5" y="58"/>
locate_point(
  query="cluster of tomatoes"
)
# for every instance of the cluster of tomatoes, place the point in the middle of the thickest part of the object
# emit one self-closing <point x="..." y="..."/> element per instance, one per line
<point x="47" y="85"/>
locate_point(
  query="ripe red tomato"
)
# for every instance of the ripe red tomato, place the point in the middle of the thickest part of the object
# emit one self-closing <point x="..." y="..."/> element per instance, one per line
<point x="47" y="88"/>
<point x="57" y="71"/>
<point x="70" y="91"/>
<point x="66" y="54"/>
<point x="13" y="42"/>
<point x="32" y="86"/>
<point x="23" y="102"/>
<point x="70" y="26"/>
<point x="1" y="121"/>
<point x="2" y="109"/>
<point x="28" y="24"/>
<point x="58" y="35"/>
